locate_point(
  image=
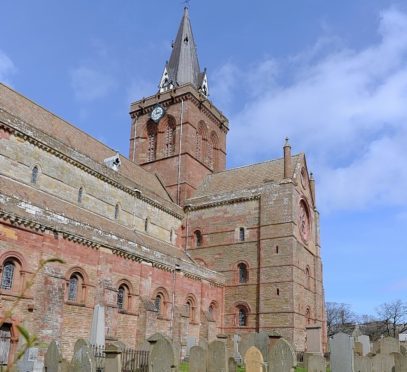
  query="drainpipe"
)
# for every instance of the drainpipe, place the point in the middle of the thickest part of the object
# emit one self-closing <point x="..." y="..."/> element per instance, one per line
<point x="179" y="153"/>
<point x="177" y="268"/>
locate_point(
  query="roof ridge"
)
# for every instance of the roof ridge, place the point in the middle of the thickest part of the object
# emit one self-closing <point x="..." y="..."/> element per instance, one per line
<point x="254" y="164"/>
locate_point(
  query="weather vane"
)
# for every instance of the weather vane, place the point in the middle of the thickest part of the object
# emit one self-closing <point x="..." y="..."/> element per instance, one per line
<point x="186" y="3"/>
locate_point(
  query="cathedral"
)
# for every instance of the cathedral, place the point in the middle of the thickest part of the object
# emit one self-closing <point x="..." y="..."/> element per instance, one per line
<point x="165" y="240"/>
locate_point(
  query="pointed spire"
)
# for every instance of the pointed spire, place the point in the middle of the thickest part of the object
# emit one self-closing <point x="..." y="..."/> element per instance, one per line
<point x="183" y="66"/>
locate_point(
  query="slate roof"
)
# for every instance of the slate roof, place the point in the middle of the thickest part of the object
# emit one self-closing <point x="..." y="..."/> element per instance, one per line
<point x="183" y="66"/>
<point x="242" y="178"/>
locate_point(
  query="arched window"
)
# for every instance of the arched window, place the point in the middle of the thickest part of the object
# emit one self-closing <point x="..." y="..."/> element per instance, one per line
<point x="116" y="211"/>
<point x="8" y="275"/>
<point x="146" y="224"/>
<point x="76" y="288"/>
<point x="242" y="316"/>
<point x="212" y="310"/>
<point x="122" y="297"/>
<point x="80" y="195"/>
<point x="308" y="315"/>
<point x="170" y="137"/>
<point x="190" y="308"/>
<point x="242" y="234"/>
<point x="212" y="147"/>
<point x="159" y="303"/>
<point x="151" y="140"/>
<point x="198" y="238"/>
<point x="308" y="277"/>
<point x="34" y="174"/>
<point x="200" y="141"/>
<point x="243" y="273"/>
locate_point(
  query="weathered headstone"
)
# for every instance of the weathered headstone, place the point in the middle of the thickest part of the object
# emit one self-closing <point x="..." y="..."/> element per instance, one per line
<point x="217" y="357"/>
<point x="389" y="345"/>
<point x="358" y="348"/>
<point x="341" y="347"/>
<point x="365" y="341"/>
<point x="260" y="340"/>
<point x="29" y="362"/>
<point x="198" y="359"/>
<point x="83" y="359"/>
<point x="315" y="363"/>
<point x="403" y="350"/>
<point x="53" y="359"/>
<point x="400" y="362"/>
<point x="162" y="358"/>
<point x="191" y="341"/>
<point x="97" y="331"/>
<point x="382" y="363"/>
<point x="314" y="339"/>
<point x="362" y="364"/>
<point x="236" y="353"/>
<point x="232" y="364"/>
<point x="282" y="357"/>
<point x="253" y="360"/>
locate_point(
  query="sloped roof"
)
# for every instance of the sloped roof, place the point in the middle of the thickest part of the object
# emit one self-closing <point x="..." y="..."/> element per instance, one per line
<point x="245" y="177"/>
<point x="64" y="132"/>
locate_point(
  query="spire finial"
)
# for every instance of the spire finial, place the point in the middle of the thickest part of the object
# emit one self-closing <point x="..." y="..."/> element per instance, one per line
<point x="287" y="143"/>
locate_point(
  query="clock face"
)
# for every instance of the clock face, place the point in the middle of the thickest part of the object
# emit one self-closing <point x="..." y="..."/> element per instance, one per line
<point x="157" y="113"/>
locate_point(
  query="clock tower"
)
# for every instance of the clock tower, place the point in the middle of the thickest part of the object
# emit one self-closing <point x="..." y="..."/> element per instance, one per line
<point x="178" y="133"/>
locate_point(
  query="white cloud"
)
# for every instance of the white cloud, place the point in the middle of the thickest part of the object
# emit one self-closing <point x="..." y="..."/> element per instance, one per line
<point x="7" y="68"/>
<point x="347" y="109"/>
<point x="90" y="84"/>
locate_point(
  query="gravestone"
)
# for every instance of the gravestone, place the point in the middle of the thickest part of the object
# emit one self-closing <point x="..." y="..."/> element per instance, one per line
<point x="162" y="358"/>
<point x="362" y="364"/>
<point x="400" y="362"/>
<point x="191" y="341"/>
<point x="52" y="358"/>
<point x="341" y="347"/>
<point x="358" y="348"/>
<point x="217" y="357"/>
<point x="315" y="363"/>
<point x="382" y="363"/>
<point x="314" y="339"/>
<point x="29" y="362"/>
<point x="83" y="359"/>
<point x="232" y="364"/>
<point x="253" y="360"/>
<point x="282" y="357"/>
<point x="203" y="343"/>
<point x="260" y="340"/>
<point x="236" y="353"/>
<point x="198" y="359"/>
<point x="365" y="341"/>
<point x="97" y="331"/>
<point x="389" y="345"/>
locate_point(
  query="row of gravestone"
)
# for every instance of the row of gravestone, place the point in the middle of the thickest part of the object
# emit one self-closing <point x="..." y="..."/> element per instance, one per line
<point x="349" y="354"/>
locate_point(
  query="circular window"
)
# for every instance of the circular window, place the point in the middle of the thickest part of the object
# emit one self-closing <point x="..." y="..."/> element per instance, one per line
<point x="304" y="223"/>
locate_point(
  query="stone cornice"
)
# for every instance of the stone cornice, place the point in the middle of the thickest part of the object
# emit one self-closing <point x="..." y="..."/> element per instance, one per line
<point x="34" y="136"/>
<point x="184" y="92"/>
<point x="212" y="204"/>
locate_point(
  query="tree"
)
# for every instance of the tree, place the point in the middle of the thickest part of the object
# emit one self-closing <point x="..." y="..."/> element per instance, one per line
<point x="394" y="316"/>
<point x="339" y="318"/>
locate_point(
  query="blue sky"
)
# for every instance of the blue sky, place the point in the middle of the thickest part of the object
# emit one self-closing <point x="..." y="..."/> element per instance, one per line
<point x="330" y="75"/>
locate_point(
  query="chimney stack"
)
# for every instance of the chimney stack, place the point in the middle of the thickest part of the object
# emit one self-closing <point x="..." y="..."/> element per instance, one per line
<point x="287" y="160"/>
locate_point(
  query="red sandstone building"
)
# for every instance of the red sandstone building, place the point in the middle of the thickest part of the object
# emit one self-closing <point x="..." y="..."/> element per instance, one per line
<point x="167" y="240"/>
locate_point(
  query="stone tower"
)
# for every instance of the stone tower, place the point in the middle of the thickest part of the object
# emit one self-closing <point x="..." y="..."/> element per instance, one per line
<point x="178" y="133"/>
